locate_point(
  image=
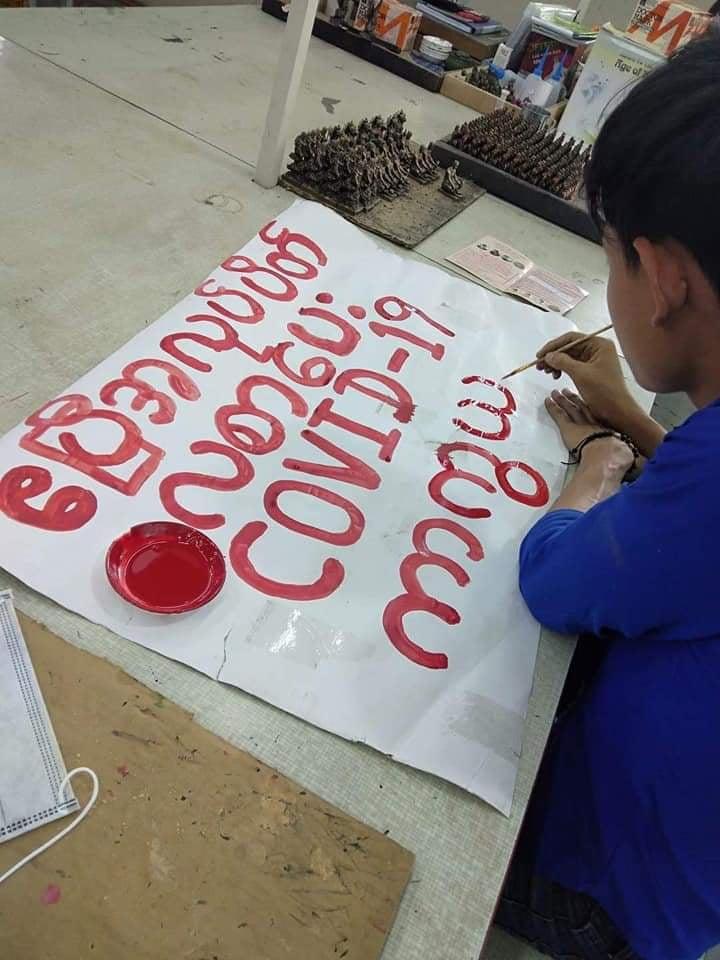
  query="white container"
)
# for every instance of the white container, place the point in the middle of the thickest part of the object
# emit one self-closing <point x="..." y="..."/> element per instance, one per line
<point x="535" y="90"/>
<point x="435" y="49"/>
<point x="502" y="56"/>
<point x="613" y="65"/>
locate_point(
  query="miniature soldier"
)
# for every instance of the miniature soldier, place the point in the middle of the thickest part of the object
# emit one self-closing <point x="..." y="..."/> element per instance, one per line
<point x="451" y="184"/>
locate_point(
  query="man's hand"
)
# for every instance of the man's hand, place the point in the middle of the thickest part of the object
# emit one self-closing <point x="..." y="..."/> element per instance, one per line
<point x="603" y="463"/>
<point x="595" y="370"/>
<point x="572" y="417"/>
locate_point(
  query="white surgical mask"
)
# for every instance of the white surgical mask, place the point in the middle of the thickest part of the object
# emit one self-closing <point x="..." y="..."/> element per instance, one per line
<point x="31" y="766"/>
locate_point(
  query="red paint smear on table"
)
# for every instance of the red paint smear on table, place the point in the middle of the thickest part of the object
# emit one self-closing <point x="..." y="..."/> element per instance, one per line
<point x="123" y="770"/>
<point x="51" y="895"/>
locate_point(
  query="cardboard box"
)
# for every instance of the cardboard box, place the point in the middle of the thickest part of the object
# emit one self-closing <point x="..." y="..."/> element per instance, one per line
<point x="480" y="47"/>
<point x="667" y="25"/>
<point x="456" y="87"/>
<point x="614" y="63"/>
<point x="396" y="24"/>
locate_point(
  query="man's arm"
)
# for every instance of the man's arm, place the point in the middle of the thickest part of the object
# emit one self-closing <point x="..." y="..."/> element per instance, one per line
<point x="578" y="564"/>
<point x="579" y="571"/>
<point x="598" y="476"/>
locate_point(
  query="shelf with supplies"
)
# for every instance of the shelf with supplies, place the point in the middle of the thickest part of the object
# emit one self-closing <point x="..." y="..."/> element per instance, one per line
<point x="368" y="48"/>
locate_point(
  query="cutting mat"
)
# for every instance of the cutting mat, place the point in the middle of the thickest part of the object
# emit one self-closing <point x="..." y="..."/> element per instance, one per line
<point x="195" y="850"/>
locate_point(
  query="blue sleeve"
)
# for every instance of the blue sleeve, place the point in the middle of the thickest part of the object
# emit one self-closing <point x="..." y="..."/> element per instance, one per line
<point x="640" y="562"/>
<point x="545" y="561"/>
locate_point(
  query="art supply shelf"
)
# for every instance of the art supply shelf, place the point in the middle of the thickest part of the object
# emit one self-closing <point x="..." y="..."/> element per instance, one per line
<point x="361" y="45"/>
<point x="571" y="216"/>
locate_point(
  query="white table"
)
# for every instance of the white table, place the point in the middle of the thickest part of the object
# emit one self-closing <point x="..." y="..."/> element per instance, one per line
<point x="126" y="177"/>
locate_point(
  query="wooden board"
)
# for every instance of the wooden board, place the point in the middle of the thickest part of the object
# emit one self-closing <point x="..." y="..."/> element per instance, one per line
<point x="194" y="849"/>
<point x="408" y="219"/>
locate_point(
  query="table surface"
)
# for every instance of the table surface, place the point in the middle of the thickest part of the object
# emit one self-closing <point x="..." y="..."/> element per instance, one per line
<point x="127" y="177"/>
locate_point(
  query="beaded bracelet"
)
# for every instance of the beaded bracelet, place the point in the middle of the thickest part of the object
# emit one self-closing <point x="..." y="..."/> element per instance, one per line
<point x="575" y="455"/>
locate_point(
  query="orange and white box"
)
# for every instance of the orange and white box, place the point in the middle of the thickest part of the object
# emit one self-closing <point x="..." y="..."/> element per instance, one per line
<point x="667" y="25"/>
<point x="397" y="24"/>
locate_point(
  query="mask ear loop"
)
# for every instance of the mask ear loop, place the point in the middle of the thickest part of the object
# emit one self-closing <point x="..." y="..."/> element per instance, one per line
<point x="63" y="833"/>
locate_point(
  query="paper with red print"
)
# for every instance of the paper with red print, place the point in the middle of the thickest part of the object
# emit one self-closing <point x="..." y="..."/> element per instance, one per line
<point x="332" y="415"/>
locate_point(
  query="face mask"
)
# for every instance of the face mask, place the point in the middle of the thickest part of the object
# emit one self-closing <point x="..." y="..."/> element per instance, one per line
<point x="31" y="766"/>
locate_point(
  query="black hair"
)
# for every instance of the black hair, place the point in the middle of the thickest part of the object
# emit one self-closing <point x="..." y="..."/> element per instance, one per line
<point x="655" y="168"/>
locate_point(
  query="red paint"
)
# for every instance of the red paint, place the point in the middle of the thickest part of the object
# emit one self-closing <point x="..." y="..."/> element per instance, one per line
<point x="503" y="413"/>
<point x="502" y="468"/>
<point x="74" y="409"/>
<point x="394" y="624"/>
<point x="123" y="770"/>
<point x="324" y="298"/>
<point x="436" y="488"/>
<point x="244" y="437"/>
<point x="436" y="350"/>
<point x="400" y="398"/>
<point x="397" y="360"/>
<point x="349" y="338"/>
<point x="250" y="318"/>
<point x="165" y="567"/>
<point x="68" y="508"/>
<point x="345" y="538"/>
<point x="288" y="292"/>
<point x="257" y="311"/>
<point x="282" y="241"/>
<point x="313" y="372"/>
<point x="416" y="561"/>
<point x="50" y="895"/>
<point x="387" y="442"/>
<point x="229" y="341"/>
<point x="445" y="450"/>
<point x="510" y="405"/>
<point x="537" y="499"/>
<point x="423" y="527"/>
<point x="244" y="473"/>
<point x="354" y="470"/>
<point x="332" y="575"/>
<point x="181" y="384"/>
<point x="406" y="310"/>
<point x="359" y="313"/>
<point x="416" y="600"/>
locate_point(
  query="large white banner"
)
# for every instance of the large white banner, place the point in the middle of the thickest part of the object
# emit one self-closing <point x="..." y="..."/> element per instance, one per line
<point x="332" y="416"/>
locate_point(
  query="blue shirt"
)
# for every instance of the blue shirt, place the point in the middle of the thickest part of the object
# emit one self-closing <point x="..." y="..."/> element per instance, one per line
<point x="627" y="808"/>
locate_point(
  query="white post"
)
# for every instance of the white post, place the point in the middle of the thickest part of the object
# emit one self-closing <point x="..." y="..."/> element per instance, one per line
<point x="296" y="38"/>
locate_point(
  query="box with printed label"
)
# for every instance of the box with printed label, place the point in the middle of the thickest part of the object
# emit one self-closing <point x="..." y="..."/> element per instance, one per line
<point x="613" y="65"/>
<point x="667" y="25"/>
<point x="396" y="24"/>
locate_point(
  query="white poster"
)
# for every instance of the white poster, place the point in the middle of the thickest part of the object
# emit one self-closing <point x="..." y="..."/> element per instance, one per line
<point x="332" y="415"/>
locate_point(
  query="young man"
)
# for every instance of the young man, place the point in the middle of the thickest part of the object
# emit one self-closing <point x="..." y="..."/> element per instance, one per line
<point x="620" y="854"/>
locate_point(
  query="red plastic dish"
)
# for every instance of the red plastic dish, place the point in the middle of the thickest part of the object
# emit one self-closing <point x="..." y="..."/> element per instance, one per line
<point x="165" y="567"/>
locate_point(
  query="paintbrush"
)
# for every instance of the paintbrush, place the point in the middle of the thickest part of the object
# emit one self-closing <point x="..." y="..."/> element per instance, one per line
<point x="565" y="349"/>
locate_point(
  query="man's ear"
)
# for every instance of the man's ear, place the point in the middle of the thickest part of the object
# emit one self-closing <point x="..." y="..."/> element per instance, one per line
<point x="665" y="275"/>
